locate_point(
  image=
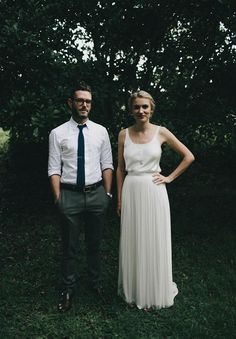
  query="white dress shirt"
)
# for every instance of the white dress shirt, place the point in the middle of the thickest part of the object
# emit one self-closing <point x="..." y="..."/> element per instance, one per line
<point x="63" y="147"/>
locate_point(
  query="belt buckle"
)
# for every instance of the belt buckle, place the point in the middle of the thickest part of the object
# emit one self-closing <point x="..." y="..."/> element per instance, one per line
<point x="87" y="189"/>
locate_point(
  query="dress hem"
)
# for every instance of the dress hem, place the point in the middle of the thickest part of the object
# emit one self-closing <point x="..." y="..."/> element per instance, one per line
<point x="152" y="307"/>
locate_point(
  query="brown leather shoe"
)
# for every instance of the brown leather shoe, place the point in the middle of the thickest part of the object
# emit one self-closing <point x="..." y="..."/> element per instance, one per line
<point x="65" y="302"/>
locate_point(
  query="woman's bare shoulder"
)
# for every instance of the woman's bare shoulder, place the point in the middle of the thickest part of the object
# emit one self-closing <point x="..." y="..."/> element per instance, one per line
<point x="163" y="130"/>
<point x="165" y="134"/>
<point x="122" y="133"/>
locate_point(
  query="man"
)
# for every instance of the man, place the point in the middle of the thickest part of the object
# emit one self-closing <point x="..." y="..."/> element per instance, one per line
<point x="80" y="170"/>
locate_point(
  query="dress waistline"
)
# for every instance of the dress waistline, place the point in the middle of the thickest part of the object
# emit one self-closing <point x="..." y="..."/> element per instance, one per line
<point x="140" y="173"/>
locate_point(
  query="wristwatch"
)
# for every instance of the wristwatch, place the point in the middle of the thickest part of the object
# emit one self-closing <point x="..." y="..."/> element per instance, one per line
<point x="109" y="195"/>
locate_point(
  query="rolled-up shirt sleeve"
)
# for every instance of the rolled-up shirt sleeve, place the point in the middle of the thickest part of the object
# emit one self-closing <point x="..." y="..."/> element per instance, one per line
<point x="54" y="158"/>
<point x="106" y="153"/>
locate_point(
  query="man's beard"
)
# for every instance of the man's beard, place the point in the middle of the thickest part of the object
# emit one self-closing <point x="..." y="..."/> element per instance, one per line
<point x="80" y="114"/>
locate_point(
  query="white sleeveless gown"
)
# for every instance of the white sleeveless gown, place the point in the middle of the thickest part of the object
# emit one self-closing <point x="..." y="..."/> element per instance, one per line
<point x="145" y="260"/>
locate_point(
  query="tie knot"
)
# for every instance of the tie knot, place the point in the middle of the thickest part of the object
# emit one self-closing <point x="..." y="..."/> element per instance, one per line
<point x="80" y="127"/>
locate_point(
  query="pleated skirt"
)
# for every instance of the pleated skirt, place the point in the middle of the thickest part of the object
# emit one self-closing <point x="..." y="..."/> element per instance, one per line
<point x="145" y="258"/>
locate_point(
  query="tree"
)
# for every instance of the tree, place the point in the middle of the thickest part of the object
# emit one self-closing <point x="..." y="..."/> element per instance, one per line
<point x="183" y="52"/>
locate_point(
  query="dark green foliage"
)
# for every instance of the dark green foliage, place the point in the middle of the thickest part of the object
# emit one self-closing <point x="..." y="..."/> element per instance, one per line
<point x="186" y="50"/>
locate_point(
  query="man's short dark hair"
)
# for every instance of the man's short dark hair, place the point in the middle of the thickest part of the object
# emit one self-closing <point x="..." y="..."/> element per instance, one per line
<point x="80" y="86"/>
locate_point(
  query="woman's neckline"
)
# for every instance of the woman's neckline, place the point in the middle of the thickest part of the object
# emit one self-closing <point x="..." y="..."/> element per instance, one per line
<point x="143" y="143"/>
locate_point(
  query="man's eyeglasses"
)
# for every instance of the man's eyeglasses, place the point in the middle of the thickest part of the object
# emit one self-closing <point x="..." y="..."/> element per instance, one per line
<point x="82" y="101"/>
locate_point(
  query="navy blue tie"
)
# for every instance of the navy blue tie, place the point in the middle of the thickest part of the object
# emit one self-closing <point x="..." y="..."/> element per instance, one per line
<point x="80" y="157"/>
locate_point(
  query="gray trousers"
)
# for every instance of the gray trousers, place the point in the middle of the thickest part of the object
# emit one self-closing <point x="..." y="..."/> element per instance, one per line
<point x="75" y="207"/>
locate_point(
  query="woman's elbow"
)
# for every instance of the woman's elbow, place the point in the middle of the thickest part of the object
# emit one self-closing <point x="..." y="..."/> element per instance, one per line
<point x="190" y="158"/>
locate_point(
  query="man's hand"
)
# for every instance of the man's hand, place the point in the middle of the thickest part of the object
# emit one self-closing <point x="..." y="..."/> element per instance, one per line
<point x="118" y="208"/>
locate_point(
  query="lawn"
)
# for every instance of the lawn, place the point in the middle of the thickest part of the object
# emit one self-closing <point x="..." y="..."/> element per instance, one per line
<point x="203" y="266"/>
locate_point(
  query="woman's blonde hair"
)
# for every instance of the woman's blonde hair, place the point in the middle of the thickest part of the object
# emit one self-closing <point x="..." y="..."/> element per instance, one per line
<point x="141" y="94"/>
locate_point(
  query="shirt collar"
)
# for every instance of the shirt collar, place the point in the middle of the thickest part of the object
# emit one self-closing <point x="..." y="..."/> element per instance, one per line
<point x="75" y="124"/>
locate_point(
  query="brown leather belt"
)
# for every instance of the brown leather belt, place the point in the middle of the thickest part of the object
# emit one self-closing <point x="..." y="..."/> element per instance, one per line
<point x="85" y="189"/>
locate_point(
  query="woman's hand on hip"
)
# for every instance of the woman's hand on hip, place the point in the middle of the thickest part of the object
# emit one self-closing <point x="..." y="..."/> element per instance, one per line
<point x="158" y="178"/>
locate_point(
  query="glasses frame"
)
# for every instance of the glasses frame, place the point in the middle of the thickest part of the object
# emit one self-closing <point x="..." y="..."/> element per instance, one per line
<point x="82" y="101"/>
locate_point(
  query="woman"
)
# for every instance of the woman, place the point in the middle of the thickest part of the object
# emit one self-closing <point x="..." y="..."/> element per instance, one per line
<point x="145" y="263"/>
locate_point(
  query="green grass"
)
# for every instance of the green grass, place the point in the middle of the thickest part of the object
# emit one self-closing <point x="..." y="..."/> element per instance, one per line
<point x="203" y="267"/>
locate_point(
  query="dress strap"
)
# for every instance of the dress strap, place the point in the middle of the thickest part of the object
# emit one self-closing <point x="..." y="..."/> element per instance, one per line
<point x="158" y="130"/>
<point x="127" y="137"/>
<point x="158" y="133"/>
